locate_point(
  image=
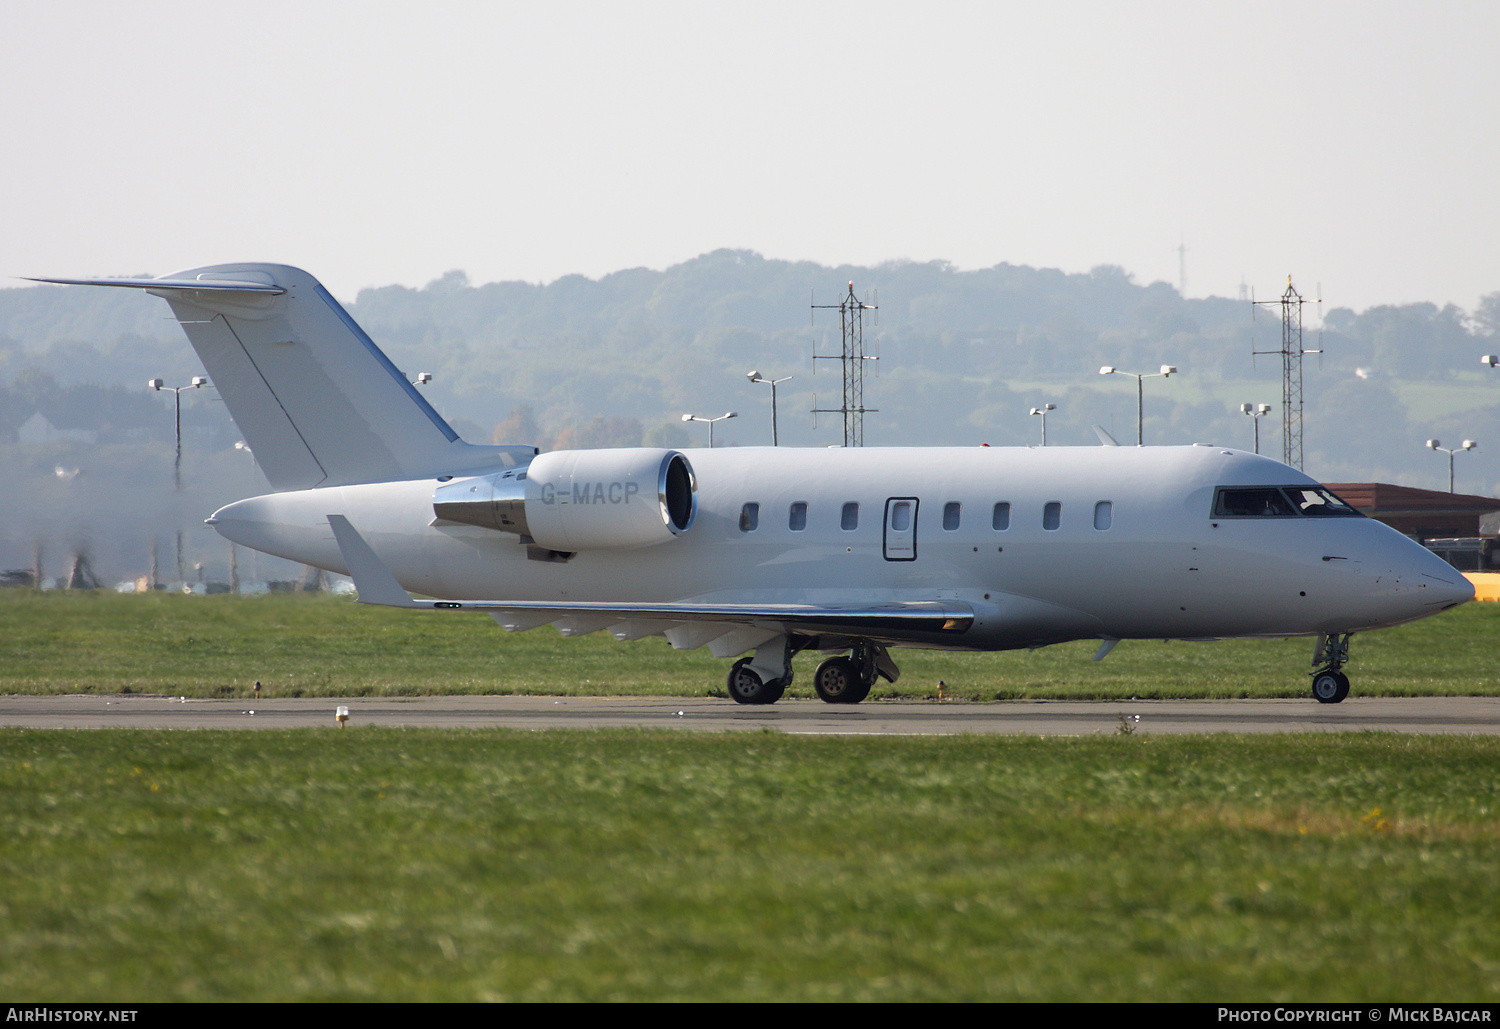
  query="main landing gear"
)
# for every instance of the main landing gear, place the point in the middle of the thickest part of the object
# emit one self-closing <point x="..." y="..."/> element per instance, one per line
<point x="845" y="679"/>
<point x="848" y="679"/>
<point x="747" y="687"/>
<point x="1329" y="684"/>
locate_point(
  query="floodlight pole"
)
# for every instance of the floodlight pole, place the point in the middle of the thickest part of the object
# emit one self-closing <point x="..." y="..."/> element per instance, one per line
<point x="1256" y="411"/>
<point x="159" y="384"/>
<point x="1468" y="444"/>
<point x="1167" y="371"/>
<point x="710" y="421"/>
<point x="755" y="376"/>
<point x="1043" y="412"/>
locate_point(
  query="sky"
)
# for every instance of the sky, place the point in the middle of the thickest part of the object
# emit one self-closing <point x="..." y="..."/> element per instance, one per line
<point x="1352" y="145"/>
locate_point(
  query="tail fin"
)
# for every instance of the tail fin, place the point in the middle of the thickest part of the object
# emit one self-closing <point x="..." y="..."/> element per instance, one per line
<point x="317" y="401"/>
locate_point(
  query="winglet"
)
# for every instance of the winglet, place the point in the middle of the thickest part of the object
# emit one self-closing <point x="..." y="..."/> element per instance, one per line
<point x="372" y="579"/>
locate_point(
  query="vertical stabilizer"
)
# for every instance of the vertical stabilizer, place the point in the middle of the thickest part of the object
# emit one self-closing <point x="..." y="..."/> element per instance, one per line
<point x="316" y="399"/>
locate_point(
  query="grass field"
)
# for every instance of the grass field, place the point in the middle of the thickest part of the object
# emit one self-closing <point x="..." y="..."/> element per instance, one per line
<point x="473" y="865"/>
<point x="311" y="645"/>
<point x="478" y="865"/>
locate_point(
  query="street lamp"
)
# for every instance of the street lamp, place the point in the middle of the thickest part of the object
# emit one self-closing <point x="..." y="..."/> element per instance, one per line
<point x="158" y="384"/>
<point x="1468" y="444"/>
<point x="422" y="379"/>
<point x="1167" y="371"/>
<point x="1043" y="412"/>
<point x="757" y="377"/>
<point x="710" y="421"/>
<point x="1489" y="360"/>
<point x="1256" y="411"/>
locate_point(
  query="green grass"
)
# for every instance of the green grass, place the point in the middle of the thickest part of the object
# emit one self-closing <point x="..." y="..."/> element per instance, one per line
<point x="309" y="645"/>
<point x="476" y="865"/>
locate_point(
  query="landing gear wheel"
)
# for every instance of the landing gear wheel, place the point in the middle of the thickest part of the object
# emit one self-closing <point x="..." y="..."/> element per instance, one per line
<point x="745" y="687"/>
<point x="837" y="681"/>
<point x="1330" y="687"/>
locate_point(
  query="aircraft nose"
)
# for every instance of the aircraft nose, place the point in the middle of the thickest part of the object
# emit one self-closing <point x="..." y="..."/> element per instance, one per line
<point x="1434" y="584"/>
<point x="1453" y="590"/>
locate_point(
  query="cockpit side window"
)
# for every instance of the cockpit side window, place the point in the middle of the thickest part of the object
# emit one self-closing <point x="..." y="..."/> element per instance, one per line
<point x="1252" y="503"/>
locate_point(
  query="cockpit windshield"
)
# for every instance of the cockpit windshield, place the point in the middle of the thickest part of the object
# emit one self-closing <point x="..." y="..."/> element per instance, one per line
<point x="1279" y="502"/>
<point x="1318" y="502"/>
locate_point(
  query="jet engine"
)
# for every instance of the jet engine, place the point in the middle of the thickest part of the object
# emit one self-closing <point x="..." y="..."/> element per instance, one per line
<point x="572" y="500"/>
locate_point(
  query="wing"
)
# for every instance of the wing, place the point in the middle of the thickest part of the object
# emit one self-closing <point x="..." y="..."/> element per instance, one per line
<point x="727" y="629"/>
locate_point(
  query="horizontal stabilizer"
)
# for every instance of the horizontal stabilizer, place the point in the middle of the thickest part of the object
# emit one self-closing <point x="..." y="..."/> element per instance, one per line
<point x="195" y="285"/>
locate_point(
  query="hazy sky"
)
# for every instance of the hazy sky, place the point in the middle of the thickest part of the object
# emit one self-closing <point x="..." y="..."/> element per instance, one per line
<point x="1356" y="144"/>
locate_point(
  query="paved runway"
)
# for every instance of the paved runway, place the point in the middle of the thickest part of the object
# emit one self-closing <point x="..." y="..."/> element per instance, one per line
<point x="1050" y="718"/>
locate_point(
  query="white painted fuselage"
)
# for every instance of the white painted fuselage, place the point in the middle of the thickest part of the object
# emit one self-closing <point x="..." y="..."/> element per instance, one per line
<point x="1161" y="567"/>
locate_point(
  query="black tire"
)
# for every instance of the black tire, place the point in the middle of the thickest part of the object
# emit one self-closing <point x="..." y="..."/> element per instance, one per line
<point x="1330" y="687"/>
<point x="745" y="687"/>
<point x="837" y="682"/>
<point x="860" y="692"/>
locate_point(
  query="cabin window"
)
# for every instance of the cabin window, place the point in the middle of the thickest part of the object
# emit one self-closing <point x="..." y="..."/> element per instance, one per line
<point x="1052" y="515"/>
<point x="849" y="520"/>
<point x="1104" y="513"/>
<point x="1000" y="520"/>
<point x="901" y="516"/>
<point x="749" y="518"/>
<point x="950" y="515"/>
<point x="797" y="520"/>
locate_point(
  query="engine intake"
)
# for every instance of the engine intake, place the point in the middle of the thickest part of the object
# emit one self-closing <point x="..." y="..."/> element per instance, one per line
<point x="572" y="500"/>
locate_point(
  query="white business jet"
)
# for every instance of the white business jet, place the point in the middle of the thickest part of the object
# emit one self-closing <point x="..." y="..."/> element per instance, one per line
<point x="766" y="552"/>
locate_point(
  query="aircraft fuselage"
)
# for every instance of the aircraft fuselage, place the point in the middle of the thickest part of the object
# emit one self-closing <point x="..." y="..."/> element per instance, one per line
<point x="1103" y="542"/>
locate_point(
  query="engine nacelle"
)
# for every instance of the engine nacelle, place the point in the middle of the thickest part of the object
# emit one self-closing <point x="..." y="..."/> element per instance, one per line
<point x="572" y="500"/>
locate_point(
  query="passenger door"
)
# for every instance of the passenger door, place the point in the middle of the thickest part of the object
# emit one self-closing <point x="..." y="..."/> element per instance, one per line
<point x="901" y="529"/>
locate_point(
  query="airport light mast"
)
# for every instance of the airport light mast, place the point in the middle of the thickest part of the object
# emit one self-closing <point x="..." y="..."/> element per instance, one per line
<point x="1167" y="371"/>
<point x="198" y="382"/>
<point x="710" y="421"/>
<point x="1256" y="411"/>
<point x="1435" y="444"/>
<point x="1043" y="412"/>
<point x="755" y="376"/>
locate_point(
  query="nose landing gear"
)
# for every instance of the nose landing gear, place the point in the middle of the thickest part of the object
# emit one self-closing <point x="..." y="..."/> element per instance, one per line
<point x="1329" y="684"/>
